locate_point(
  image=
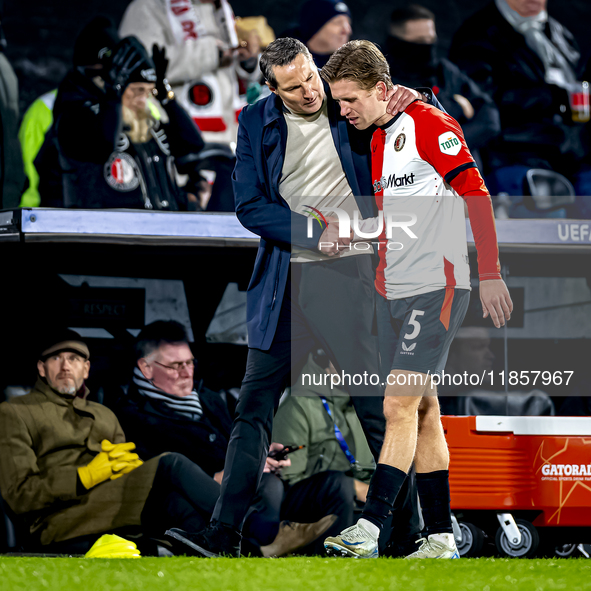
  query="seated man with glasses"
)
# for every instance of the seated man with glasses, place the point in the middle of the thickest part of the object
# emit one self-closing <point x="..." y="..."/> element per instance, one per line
<point x="166" y="411"/>
<point x="69" y="474"/>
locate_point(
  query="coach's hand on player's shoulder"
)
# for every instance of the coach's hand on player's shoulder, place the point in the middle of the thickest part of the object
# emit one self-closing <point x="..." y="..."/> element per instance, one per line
<point x="330" y="242"/>
<point x="496" y="301"/>
<point x="400" y="97"/>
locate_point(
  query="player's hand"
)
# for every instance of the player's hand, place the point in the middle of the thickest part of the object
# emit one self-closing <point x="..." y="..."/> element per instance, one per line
<point x="274" y="466"/>
<point x="496" y="301"/>
<point x="330" y="242"/>
<point x="400" y="97"/>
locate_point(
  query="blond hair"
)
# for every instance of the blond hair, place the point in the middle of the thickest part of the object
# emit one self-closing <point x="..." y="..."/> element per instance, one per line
<point x="360" y="61"/>
<point x="137" y="125"/>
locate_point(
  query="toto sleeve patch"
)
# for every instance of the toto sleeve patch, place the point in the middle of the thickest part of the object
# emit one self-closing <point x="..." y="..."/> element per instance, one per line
<point x="449" y="143"/>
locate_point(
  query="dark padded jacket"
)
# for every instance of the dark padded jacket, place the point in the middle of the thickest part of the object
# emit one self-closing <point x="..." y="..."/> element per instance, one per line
<point x="535" y="115"/>
<point x="156" y="428"/>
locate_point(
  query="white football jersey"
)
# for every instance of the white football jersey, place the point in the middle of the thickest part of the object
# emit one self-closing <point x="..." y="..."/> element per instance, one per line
<point x="422" y="246"/>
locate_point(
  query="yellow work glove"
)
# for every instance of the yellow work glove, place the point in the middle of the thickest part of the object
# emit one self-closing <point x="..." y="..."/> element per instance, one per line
<point x="116" y="450"/>
<point x="124" y="468"/>
<point x="122" y="461"/>
<point x="97" y="471"/>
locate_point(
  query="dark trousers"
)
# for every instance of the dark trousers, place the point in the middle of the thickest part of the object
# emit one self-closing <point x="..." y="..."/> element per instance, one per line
<point x="326" y="493"/>
<point x="330" y="305"/>
<point x="262" y="520"/>
<point x="182" y="495"/>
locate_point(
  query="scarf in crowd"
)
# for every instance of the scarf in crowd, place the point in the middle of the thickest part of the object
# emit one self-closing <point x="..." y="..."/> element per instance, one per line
<point x="184" y="20"/>
<point x="555" y="52"/>
<point x="186" y="23"/>
<point x="189" y="406"/>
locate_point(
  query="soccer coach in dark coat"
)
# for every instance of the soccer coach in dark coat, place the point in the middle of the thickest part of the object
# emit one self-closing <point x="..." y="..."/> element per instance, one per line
<point x="291" y="308"/>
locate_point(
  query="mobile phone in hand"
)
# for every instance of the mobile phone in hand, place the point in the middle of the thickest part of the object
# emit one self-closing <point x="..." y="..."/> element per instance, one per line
<point x="281" y="454"/>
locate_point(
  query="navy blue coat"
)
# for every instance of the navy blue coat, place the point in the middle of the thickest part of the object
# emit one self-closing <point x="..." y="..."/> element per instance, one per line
<point x="262" y="139"/>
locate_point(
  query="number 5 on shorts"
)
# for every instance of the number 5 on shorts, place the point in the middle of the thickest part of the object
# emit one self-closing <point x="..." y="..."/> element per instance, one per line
<point x="415" y="325"/>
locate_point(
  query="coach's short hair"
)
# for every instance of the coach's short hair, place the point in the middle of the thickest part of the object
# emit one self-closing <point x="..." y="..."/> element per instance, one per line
<point x="280" y="53"/>
<point x="360" y="61"/>
<point x="160" y="332"/>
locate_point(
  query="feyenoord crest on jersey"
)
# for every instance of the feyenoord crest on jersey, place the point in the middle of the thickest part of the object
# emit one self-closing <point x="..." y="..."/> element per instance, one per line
<point x="399" y="143"/>
<point x="121" y="172"/>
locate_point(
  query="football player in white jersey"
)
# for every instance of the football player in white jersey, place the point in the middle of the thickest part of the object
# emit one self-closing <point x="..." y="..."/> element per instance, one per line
<point x="422" y="173"/>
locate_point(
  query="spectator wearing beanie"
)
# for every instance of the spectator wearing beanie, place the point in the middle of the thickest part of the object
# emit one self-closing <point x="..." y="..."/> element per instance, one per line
<point x="113" y="149"/>
<point x="324" y="26"/>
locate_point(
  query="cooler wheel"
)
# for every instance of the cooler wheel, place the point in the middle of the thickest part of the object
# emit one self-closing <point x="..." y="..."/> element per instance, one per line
<point x="527" y="548"/>
<point x="472" y="540"/>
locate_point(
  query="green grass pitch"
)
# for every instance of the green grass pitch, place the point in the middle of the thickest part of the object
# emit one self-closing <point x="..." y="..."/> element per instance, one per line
<point x="293" y="574"/>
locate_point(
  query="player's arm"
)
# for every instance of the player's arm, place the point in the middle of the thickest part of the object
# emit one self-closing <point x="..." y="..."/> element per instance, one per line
<point x="494" y="294"/>
<point x="442" y="144"/>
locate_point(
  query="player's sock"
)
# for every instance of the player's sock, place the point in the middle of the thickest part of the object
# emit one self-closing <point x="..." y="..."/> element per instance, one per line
<point x="433" y="490"/>
<point x="385" y="484"/>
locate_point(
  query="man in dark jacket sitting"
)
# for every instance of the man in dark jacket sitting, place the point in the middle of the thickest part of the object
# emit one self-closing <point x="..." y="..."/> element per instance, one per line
<point x="68" y="473"/>
<point x="163" y="411"/>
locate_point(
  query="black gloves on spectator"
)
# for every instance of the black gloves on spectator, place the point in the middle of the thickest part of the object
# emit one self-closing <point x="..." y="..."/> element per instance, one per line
<point x="164" y="92"/>
<point x="128" y="56"/>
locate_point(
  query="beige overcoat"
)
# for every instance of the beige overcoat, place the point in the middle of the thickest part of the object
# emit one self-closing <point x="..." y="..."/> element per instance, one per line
<point x="44" y="437"/>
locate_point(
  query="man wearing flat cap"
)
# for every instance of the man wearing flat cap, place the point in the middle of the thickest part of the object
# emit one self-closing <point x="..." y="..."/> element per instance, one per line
<point x="67" y="472"/>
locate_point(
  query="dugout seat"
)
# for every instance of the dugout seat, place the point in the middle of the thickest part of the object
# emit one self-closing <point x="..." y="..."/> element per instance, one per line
<point x="534" y="403"/>
<point x="546" y="190"/>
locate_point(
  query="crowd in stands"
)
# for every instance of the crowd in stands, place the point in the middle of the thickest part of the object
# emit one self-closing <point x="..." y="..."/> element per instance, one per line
<point x="147" y="117"/>
<point x="73" y="469"/>
<point x="152" y="458"/>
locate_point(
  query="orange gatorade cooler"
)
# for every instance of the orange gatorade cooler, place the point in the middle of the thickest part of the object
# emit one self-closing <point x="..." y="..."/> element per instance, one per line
<point x="524" y="482"/>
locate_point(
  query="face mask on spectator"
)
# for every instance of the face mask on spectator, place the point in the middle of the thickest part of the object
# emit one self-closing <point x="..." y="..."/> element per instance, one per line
<point x="411" y="56"/>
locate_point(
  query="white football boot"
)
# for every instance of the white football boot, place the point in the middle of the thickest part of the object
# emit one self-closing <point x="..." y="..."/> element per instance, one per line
<point x="359" y="541"/>
<point x="436" y="546"/>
